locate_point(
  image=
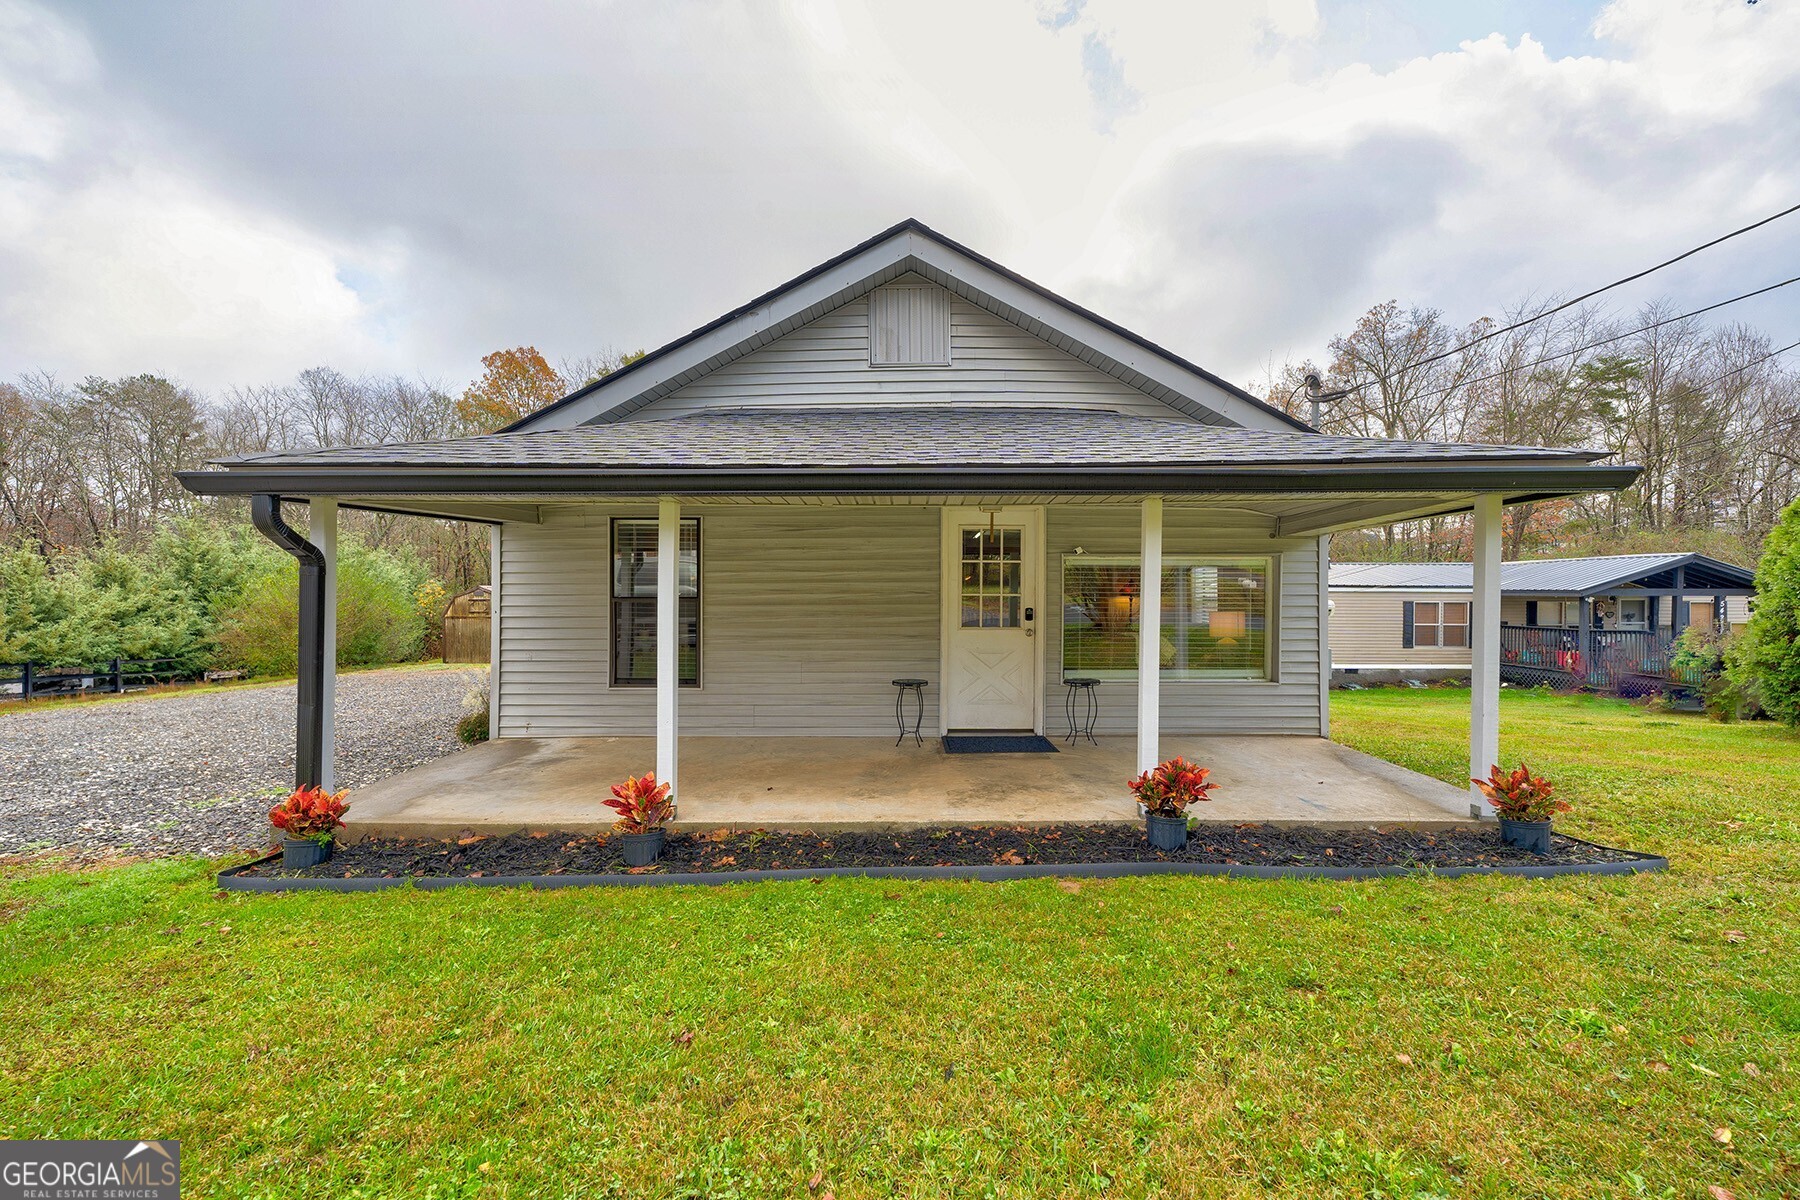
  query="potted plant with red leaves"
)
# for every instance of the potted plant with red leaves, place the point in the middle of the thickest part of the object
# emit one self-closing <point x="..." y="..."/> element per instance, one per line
<point x="1525" y="805"/>
<point x="308" y="819"/>
<point x="1166" y="793"/>
<point x="644" y="807"/>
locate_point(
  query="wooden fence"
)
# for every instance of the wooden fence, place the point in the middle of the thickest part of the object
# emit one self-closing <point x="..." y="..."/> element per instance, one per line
<point x="23" y="681"/>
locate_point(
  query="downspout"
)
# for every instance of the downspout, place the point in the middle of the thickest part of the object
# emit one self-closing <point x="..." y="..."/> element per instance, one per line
<point x="309" y="727"/>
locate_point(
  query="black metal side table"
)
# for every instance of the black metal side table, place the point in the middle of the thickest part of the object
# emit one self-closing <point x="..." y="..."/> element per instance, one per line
<point x="1089" y="704"/>
<point x="916" y="689"/>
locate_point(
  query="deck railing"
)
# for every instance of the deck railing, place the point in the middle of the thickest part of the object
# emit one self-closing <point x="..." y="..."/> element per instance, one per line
<point x="1616" y="660"/>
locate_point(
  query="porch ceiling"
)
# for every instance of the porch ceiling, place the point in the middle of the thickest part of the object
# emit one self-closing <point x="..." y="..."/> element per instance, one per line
<point x="1295" y="514"/>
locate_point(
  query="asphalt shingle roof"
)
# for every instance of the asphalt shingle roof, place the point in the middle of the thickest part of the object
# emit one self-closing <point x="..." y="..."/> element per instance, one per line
<point x="909" y="437"/>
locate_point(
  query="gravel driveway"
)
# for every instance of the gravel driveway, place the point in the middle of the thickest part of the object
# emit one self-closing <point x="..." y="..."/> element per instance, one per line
<point x="177" y="774"/>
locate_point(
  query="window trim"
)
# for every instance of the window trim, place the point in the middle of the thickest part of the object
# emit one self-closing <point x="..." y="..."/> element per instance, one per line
<point x="613" y="682"/>
<point x="1271" y="614"/>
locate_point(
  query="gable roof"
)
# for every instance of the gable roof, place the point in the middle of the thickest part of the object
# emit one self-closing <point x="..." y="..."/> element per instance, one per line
<point x="873" y="438"/>
<point x="1553" y="576"/>
<point x="912" y="246"/>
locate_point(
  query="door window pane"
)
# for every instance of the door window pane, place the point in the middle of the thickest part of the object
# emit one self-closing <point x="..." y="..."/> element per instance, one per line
<point x="634" y="572"/>
<point x="993" y="574"/>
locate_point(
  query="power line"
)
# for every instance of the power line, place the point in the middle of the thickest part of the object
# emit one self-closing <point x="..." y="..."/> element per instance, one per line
<point x="1606" y="341"/>
<point x="1597" y="291"/>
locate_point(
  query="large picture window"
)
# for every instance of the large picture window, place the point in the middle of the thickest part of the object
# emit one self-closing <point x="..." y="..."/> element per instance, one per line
<point x="1215" y="617"/>
<point x="634" y="602"/>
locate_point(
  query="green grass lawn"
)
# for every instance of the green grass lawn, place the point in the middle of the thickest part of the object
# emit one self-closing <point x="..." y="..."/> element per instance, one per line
<point x="1173" y="1037"/>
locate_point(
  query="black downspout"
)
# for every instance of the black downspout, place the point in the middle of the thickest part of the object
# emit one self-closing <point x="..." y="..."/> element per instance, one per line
<point x="309" y="729"/>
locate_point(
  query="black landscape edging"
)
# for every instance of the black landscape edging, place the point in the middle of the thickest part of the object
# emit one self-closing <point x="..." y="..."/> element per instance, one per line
<point x="232" y="880"/>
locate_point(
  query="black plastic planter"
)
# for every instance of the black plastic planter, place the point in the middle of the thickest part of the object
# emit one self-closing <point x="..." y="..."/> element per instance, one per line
<point x="1527" y="835"/>
<point x="303" y="852"/>
<point x="641" y="849"/>
<point x="1166" y="833"/>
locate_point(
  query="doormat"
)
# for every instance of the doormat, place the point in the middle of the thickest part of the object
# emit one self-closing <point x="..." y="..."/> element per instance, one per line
<point x="989" y="743"/>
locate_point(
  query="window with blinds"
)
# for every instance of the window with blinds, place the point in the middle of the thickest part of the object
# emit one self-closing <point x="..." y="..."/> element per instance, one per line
<point x="634" y="543"/>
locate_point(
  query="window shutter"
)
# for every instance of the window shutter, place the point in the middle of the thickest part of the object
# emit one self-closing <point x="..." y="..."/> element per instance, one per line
<point x="909" y="326"/>
<point x="1531" y="612"/>
<point x="1406" y="625"/>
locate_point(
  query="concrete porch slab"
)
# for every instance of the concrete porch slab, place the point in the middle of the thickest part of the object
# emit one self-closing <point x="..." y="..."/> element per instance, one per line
<point x="846" y="783"/>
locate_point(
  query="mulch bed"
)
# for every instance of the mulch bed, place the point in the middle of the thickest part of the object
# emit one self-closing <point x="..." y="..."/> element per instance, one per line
<point x="757" y="850"/>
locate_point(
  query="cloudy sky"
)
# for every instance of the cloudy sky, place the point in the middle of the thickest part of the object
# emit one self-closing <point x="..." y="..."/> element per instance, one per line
<point x="228" y="193"/>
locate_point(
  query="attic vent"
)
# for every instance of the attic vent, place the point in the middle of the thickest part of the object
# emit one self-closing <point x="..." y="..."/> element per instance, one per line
<point x="909" y="326"/>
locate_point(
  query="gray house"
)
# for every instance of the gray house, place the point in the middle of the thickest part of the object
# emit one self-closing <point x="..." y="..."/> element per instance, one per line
<point x="908" y="463"/>
<point x="1609" y="621"/>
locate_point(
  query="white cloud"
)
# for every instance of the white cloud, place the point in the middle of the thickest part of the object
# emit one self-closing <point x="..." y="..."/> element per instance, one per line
<point x="228" y="194"/>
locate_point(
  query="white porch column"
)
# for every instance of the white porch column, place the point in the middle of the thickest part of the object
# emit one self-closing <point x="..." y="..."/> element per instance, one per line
<point x="1149" y="698"/>
<point x="494" y="630"/>
<point x="323" y="533"/>
<point x="1484" y="651"/>
<point x="668" y="638"/>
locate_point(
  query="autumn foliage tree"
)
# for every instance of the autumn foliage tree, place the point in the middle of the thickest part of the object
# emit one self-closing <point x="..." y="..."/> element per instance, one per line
<point x="513" y="383"/>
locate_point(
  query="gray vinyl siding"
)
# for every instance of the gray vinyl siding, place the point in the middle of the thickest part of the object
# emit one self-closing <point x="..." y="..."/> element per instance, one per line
<point x="1367" y="629"/>
<point x="1287" y="704"/>
<point x="809" y="612"/>
<point x="806" y="615"/>
<point x="826" y="364"/>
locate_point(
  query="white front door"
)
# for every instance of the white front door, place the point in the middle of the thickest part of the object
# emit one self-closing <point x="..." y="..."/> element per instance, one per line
<point x="993" y="563"/>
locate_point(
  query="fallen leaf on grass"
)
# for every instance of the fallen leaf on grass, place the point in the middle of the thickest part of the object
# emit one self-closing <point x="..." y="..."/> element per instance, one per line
<point x="1659" y="1066"/>
<point x="1722" y="1136"/>
<point x="1752" y="1070"/>
<point x="1404" y="1060"/>
<point x="684" y="1038"/>
<point x="1718" y="1193"/>
<point x="1069" y="886"/>
<point x="1735" y="935"/>
<point x="816" y="1182"/>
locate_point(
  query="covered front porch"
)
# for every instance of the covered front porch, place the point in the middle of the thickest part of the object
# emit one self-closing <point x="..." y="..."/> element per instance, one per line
<point x="551" y="784"/>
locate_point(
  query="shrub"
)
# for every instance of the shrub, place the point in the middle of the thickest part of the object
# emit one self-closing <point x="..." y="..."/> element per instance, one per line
<point x="309" y="812"/>
<point x="1765" y="662"/>
<point x="472" y="727"/>
<point x="82" y="609"/>
<point x="1519" y="795"/>
<point x="379" y="620"/>
<point x="643" y="804"/>
<point x="1168" y="790"/>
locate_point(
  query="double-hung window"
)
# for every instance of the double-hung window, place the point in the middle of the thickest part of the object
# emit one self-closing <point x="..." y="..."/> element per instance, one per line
<point x="634" y="580"/>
